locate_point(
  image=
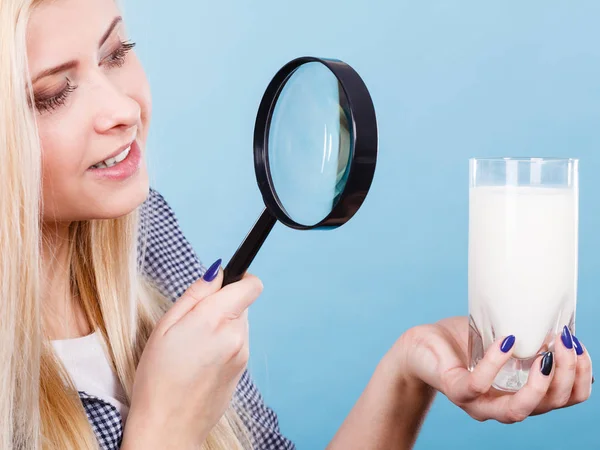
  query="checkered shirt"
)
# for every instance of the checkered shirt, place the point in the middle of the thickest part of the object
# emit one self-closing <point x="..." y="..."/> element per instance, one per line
<point x="171" y="262"/>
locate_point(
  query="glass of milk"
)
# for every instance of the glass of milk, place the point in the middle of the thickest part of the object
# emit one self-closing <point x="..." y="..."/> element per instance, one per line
<point x="523" y="231"/>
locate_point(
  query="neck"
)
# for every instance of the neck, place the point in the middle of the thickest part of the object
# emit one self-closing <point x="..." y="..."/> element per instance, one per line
<point x="63" y="316"/>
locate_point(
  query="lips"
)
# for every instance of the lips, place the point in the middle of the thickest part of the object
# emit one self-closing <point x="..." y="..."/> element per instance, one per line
<point x="122" y="170"/>
<point x="114" y="154"/>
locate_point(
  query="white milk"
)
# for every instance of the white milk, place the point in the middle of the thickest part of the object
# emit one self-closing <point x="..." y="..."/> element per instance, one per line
<point x="522" y="263"/>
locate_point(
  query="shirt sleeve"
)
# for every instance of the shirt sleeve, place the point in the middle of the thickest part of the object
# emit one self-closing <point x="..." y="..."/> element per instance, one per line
<point x="258" y="417"/>
<point x="164" y="254"/>
<point x="168" y="259"/>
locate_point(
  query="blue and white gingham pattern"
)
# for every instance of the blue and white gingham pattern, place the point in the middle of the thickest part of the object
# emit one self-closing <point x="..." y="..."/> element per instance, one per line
<point x="170" y="261"/>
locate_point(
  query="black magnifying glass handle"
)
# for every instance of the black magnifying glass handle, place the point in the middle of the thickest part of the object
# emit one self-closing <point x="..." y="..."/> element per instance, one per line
<point x="243" y="257"/>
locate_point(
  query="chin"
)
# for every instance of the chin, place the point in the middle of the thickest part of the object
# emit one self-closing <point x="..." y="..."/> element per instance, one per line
<point x="116" y="201"/>
<point x="96" y="200"/>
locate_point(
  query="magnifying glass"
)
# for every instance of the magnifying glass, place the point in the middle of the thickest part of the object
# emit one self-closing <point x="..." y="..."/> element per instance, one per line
<point x="315" y="151"/>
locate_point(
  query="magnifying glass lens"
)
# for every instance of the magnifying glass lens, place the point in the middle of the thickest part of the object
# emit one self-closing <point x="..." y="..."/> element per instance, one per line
<point x="310" y="144"/>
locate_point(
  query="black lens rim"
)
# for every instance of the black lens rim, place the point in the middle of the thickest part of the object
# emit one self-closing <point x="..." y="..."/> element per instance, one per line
<point x="363" y="162"/>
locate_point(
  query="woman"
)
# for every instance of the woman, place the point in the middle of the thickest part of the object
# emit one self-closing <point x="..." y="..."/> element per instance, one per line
<point x="93" y="353"/>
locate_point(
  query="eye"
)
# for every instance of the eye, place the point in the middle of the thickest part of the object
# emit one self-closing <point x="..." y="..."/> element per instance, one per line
<point x="117" y="58"/>
<point x="45" y="103"/>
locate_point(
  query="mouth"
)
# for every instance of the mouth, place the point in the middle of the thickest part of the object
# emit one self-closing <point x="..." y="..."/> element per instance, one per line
<point x="119" y="166"/>
<point x="114" y="159"/>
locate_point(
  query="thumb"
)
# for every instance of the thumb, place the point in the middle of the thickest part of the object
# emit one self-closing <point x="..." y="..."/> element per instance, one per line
<point x="208" y="284"/>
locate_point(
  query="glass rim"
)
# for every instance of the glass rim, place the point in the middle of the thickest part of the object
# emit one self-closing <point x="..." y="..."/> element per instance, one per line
<point x="537" y="159"/>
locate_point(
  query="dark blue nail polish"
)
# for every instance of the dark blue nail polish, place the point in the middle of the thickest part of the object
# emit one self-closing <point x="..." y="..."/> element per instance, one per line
<point x="212" y="272"/>
<point x="578" y="346"/>
<point x="507" y="344"/>
<point x="566" y="338"/>
<point x="547" y="362"/>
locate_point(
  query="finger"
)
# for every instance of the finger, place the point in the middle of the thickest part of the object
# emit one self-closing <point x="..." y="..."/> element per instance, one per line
<point x="234" y="299"/>
<point x="244" y="317"/>
<point x="244" y="353"/>
<point x="582" y="388"/>
<point x="560" y="389"/>
<point x="208" y="284"/>
<point x="520" y="405"/>
<point x="467" y="386"/>
<point x="236" y="333"/>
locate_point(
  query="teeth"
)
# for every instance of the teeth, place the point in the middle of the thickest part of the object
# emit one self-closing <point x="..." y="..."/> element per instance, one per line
<point x="112" y="161"/>
<point x="121" y="156"/>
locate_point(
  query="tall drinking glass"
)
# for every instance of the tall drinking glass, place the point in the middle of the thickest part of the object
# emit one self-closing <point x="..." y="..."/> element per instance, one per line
<point x="523" y="253"/>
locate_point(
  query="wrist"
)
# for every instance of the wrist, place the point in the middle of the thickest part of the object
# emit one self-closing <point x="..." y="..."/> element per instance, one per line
<point x="148" y="430"/>
<point x="400" y="364"/>
<point x="140" y="432"/>
<point x="400" y="394"/>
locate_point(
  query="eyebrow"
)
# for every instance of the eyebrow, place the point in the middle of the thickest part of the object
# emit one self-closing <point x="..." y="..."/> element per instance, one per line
<point x="116" y="21"/>
<point x="72" y="64"/>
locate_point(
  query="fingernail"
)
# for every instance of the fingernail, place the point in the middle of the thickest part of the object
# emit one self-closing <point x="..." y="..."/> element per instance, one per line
<point x="212" y="272"/>
<point x="507" y="344"/>
<point x="578" y="346"/>
<point x="566" y="338"/>
<point x="547" y="362"/>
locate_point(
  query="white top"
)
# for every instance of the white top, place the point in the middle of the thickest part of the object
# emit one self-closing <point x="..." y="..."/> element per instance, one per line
<point x="88" y="366"/>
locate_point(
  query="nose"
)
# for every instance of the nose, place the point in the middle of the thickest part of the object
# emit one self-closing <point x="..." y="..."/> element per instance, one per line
<point x="116" y="111"/>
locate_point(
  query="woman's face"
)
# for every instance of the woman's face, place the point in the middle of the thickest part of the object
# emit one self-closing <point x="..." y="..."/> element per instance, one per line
<point x="92" y="103"/>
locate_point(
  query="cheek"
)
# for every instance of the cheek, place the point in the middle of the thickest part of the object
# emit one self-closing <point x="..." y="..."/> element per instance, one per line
<point x="62" y="153"/>
<point x="62" y="158"/>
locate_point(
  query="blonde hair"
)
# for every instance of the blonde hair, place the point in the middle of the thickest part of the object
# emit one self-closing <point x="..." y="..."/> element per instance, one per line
<point x="40" y="408"/>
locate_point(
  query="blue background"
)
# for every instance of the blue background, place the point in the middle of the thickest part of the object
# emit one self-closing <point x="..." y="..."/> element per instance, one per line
<point x="450" y="80"/>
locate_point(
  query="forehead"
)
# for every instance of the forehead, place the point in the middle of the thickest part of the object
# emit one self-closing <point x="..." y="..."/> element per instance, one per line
<point x="61" y="30"/>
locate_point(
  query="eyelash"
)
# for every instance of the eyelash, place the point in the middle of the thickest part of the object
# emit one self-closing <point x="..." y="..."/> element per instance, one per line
<point x="115" y="59"/>
<point x="51" y="103"/>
